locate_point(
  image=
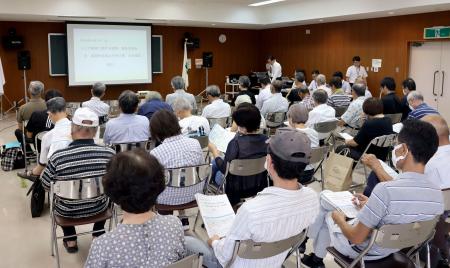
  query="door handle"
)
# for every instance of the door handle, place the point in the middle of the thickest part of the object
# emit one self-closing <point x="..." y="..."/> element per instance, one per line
<point x="434" y="81"/>
<point x="442" y="88"/>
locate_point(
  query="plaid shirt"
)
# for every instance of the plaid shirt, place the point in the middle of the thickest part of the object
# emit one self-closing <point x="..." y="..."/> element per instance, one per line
<point x="179" y="151"/>
<point x="308" y="102"/>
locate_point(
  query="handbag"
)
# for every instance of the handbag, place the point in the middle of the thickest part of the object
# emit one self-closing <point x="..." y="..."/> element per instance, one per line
<point x="12" y="158"/>
<point x="337" y="172"/>
<point x="37" y="198"/>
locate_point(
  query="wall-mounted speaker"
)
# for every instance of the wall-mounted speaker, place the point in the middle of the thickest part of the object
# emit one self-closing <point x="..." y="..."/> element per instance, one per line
<point x="24" y="60"/>
<point x="207" y="59"/>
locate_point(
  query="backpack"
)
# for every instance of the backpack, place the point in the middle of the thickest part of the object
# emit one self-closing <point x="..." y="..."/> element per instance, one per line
<point x="12" y="158"/>
<point x="37" y="198"/>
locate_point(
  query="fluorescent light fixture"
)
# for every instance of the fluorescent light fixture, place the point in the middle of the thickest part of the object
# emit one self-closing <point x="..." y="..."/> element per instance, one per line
<point x="268" y="2"/>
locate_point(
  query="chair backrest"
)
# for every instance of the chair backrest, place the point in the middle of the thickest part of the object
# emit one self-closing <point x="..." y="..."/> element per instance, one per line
<point x="71" y="107"/>
<point x="203" y="140"/>
<point x="249" y="249"/>
<point x="223" y="122"/>
<point x="192" y="261"/>
<point x="122" y="147"/>
<point x="246" y="167"/>
<point x="326" y="127"/>
<point x="340" y="110"/>
<point x="400" y="236"/>
<point x="318" y="154"/>
<point x="275" y="119"/>
<point x="77" y="189"/>
<point x="384" y="141"/>
<point x="114" y="109"/>
<point x="446" y="196"/>
<point x="40" y="135"/>
<point x="395" y="118"/>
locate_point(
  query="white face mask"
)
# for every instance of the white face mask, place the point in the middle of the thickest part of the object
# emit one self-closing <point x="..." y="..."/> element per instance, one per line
<point x="395" y="159"/>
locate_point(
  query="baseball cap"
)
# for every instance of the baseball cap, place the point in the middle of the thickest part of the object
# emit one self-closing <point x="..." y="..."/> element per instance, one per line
<point x="290" y="145"/>
<point x="85" y="117"/>
<point x="298" y="113"/>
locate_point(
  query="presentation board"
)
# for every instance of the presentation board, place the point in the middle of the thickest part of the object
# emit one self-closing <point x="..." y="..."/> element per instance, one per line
<point x="111" y="53"/>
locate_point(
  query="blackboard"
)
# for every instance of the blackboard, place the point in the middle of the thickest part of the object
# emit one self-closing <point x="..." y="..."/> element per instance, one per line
<point x="57" y="54"/>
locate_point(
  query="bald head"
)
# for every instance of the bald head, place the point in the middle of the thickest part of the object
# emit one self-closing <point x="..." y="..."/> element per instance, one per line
<point x="441" y="127"/>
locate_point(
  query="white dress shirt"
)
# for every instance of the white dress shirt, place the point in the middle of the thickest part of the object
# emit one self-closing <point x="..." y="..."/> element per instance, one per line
<point x="312" y="86"/>
<point x="192" y="123"/>
<point x="321" y="113"/>
<point x="354" y="72"/>
<point x="276" y="103"/>
<point x="346" y="87"/>
<point x="303" y="83"/>
<point x="97" y="106"/>
<point x="438" y="168"/>
<point x="274" y="214"/>
<point x="275" y="70"/>
<point x="57" y="138"/>
<point x="217" y="109"/>
<point x="368" y="94"/>
<point x="313" y="137"/>
<point x="264" y="95"/>
<point x="327" y="89"/>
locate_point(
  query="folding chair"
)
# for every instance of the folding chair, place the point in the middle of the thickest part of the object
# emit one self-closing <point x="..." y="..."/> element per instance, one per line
<point x="385" y="141"/>
<point x="397" y="236"/>
<point x="340" y="110"/>
<point x="274" y="121"/>
<point x="395" y="118"/>
<point x="26" y="142"/>
<point x="327" y="127"/>
<point x="192" y="261"/>
<point x="123" y="147"/>
<point x="223" y="122"/>
<point x="181" y="186"/>
<point x="71" y="107"/>
<point x="204" y="141"/>
<point x="239" y="167"/>
<point x="38" y="142"/>
<point x="248" y="249"/>
<point x="76" y="189"/>
<point x="318" y="156"/>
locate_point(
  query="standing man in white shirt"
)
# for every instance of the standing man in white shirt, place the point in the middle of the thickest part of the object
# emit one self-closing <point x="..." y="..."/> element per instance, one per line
<point x="355" y="71"/>
<point x="274" y="68"/>
<point x="265" y="92"/>
<point x="95" y="103"/>
<point x="276" y="213"/>
<point x="216" y="108"/>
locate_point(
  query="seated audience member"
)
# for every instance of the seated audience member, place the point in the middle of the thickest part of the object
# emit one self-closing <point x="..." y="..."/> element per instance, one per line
<point x="391" y="103"/>
<point x="408" y="85"/>
<point x="265" y="93"/>
<point x="190" y="124"/>
<point x="367" y="93"/>
<point x="276" y="213"/>
<point x="175" y="149"/>
<point x="376" y="125"/>
<point x="418" y="108"/>
<point x="307" y="100"/>
<point x="337" y="98"/>
<point x="84" y="159"/>
<point x="297" y="117"/>
<point x="321" y="82"/>
<point x="313" y="85"/>
<point x="153" y="104"/>
<point x="247" y="144"/>
<point x="57" y="138"/>
<point x="321" y="112"/>
<point x="299" y="82"/>
<point x="244" y="89"/>
<point x="95" y="103"/>
<point x="234" y="127"/>
<point x="352" y="117"/>
<point x="128" y="126"/>
<point x="35" y="103"/>
<point x="179" y="87"/>
<point x="417" y="198"/>
<point x="301" y="79"/>
<point x="276" y="103"/>
<point x="345" y="85"/>
<point x="40" y="120"/>
<point x="216" y="108"/>
<point x="133" y="180"/>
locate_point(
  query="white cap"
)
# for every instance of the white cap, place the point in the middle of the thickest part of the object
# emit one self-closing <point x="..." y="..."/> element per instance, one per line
<point x="85" y="117"/>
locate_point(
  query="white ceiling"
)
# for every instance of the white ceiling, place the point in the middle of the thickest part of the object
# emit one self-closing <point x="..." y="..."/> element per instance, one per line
<point x="213" y="13"/>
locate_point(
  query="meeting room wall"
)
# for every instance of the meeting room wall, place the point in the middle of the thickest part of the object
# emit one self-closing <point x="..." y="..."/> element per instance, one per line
<point x="331" y="46"/>
<point x="239" y="54"/>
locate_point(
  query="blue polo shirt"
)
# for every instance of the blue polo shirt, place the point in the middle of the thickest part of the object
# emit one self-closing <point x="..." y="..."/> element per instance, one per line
<point x="421" y="111"/>
<point x="152" y="106"/>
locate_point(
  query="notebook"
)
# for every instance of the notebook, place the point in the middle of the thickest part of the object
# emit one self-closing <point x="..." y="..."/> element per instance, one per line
<point x="342" y="201"/>
<point x="217" y="213"/>
<point x="220" y="137"/>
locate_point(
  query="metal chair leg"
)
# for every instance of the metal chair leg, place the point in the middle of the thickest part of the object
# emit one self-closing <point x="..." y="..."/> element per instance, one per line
<point x="299" y="260"/>
<point x="428" y="256"/>
<point x="52" y="238"/>
<point x="56" y="250"/>
<point x="417" y="260"/>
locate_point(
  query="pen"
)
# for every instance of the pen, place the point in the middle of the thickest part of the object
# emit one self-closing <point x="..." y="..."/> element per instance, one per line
<point x="357" y="200"/>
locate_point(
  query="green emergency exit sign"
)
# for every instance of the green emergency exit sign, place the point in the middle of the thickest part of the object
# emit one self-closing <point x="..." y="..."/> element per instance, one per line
<point x="436" y="32"/>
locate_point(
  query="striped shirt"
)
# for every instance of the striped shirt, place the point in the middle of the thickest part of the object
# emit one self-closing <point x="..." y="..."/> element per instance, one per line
<point x="421" y="111"/>
<point x="82" y="159"/>
<point x="274" y="214"/>
<point x="338" y="99"/>
<point x="412" y="197"/>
